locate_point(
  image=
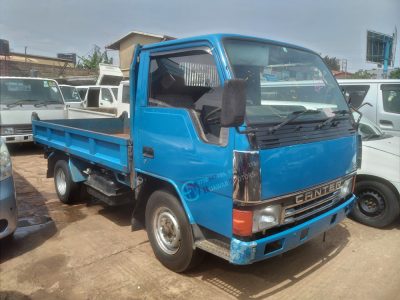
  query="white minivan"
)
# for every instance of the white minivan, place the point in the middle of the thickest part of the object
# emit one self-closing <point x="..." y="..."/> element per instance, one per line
<point x="382" y="94"/>
<point x="19" y="97"/>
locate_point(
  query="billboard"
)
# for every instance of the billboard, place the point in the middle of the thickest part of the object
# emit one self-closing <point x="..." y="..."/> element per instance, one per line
<point x="68" y="56"/>
<point x="376" y="47"/>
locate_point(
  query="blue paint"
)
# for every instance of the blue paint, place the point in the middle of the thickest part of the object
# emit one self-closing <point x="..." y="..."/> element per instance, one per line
<point x="243" y="253"/>
<point x="294" y="168"/>
<point x="76" y="167"/>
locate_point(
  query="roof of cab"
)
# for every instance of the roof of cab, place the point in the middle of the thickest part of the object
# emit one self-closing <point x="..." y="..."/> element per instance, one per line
<point x="218" y="37"/>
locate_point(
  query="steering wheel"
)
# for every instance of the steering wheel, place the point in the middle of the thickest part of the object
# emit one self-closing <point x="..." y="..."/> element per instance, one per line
<point x="212" y="117"/>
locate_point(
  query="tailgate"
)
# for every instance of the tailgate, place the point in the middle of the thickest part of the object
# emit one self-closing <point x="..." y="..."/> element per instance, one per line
<point x="108" y="150"/>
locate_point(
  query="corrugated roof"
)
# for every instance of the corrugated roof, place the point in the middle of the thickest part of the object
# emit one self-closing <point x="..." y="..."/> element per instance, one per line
<point x="115" y="45"/>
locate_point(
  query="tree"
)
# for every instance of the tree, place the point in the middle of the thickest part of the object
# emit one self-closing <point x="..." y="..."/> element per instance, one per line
<point x="93" y="60"/>
<point x="395" y="74"/>
<point x="361" y="74"/>
<point x="332" y="62"/>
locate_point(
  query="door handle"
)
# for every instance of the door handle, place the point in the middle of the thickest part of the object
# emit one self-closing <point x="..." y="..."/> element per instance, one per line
<point x="148" y="152"/>
<point x="386" y="123"/>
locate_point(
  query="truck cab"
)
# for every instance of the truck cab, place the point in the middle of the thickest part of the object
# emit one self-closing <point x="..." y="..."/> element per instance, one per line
<point x="213" y="156"/>
<point x="19" y="97"/>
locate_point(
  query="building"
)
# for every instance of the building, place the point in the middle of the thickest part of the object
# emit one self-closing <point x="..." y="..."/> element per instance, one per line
<point x="126" y="46"/>
<point x="21" y="64"/>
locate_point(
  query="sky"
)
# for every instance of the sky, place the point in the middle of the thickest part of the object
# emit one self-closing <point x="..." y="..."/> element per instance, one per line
<point x="335" y="28"/>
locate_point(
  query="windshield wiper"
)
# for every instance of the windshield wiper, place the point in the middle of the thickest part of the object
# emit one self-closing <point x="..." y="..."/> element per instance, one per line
<point x="40" y="104"/>
<point x="16" y="103"/>
<point x="291" y="117"/>
<point x="336" y="114"/>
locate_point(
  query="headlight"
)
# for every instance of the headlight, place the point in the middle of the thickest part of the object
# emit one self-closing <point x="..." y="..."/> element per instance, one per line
<point x="347" y="187"/>
<point x="7" y="130"/>
<point x="5" y="162"/>
<point x="266" y="217"/>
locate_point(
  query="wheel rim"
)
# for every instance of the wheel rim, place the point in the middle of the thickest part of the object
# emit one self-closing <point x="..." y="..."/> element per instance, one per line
<point x="167" y="230"/>
<point x="61" y="182"/>
<point x="371" y="203"/>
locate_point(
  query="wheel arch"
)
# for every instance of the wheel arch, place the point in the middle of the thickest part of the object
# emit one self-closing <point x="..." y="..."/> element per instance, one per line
<point x="152" y="183"/>
<point x="365" y="177"/>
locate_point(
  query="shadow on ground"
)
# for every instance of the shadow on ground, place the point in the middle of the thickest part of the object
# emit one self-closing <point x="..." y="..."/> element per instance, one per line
<point x="264" y="279"/>
<point x="24" y="149"/>
<point x="34" y="223"/>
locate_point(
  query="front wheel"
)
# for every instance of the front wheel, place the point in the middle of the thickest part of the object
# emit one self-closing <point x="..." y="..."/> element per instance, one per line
<point x="170" y="233"/>
<point x="377" y="205"/>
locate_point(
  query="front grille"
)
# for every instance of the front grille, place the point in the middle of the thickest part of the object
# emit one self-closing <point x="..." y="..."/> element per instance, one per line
<point x="23" y="129"/>
<point x="299" y="133"/>
<point x="297" y="212"/>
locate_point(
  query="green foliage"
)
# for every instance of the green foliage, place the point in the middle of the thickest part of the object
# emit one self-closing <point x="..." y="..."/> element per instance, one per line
<point x="361" y="74"/>
<point x="93" y="60"/>
<point x="332" y="62"/>
<point x="395" y="74"/>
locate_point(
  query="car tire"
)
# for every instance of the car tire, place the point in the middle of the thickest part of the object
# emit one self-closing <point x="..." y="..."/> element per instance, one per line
<point x="377" y="204"/>
<point x="67" y="190"/>
<point x="170" y="232"/>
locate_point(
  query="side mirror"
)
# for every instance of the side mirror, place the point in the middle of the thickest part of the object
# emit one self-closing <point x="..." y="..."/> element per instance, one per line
<point x="233" y="103"/>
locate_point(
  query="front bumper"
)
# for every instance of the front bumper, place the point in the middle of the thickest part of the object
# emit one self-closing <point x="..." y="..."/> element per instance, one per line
<point x="8" y="207"/>
<point x="19" y="138"/>
<point x="243" y="253"/>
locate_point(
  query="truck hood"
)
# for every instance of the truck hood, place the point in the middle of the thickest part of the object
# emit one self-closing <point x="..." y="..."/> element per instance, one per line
<point x="389" y="145"/>
<point x="22" y="115"/>
<point x="293" y="168"/>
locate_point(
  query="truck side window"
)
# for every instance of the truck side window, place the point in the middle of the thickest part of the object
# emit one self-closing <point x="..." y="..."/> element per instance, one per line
<point x="188" y="80"/>
<point x="126" y="94"/>
<point x="106" y="95"/>
<point x="357" y="93"/>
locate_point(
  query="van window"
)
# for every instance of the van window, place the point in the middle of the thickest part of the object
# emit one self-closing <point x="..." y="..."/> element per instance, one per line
<point x="391" y="98"/>
<point x="357" y="93"/>
<point x="125" y="94"/>
<point x="106" y="95"/>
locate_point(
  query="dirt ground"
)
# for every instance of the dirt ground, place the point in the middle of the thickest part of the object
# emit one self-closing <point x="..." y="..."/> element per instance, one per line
<point x="87" y="251"/>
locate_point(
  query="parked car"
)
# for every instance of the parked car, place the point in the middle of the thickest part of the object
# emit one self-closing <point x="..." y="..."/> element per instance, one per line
<point x="19" y="97"/>
<point x="382" y="94"/>
<point x="8" y="205"/>
<point x="378" y="179"/>
<point x="71" y="96"/>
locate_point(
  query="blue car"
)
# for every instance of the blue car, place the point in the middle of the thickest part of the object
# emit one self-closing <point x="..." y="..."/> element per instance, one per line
<point x="8" y="205"/>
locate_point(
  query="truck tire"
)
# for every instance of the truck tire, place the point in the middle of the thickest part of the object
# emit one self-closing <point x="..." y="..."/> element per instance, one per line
<point x="170" y="232"/>
<point x="377" y="205"/>
<point x="67" y="190"/>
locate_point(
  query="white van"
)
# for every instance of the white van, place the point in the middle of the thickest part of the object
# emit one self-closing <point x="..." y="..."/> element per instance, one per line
<point x="382" y="94"/>
<point x="19" y="97"/>
<point x="71" y="96"/>
<point x="100" y="96"/>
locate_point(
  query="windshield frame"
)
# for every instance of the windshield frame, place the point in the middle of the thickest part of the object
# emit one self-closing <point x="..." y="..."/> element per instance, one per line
<point x="34" y="102"/>
<point x="278" y="44"/>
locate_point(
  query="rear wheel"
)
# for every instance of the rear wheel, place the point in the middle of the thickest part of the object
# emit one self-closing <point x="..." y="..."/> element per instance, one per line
<point x="67" y="190"/>
<point x="377" y="205"/>
<point x="170" y="233"/>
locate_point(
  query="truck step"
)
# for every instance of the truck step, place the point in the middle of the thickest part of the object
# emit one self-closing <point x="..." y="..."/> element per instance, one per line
<point x="215" y="247"/>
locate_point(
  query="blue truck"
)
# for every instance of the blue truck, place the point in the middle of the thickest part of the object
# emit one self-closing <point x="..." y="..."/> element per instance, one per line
<point x="237" y="146"/>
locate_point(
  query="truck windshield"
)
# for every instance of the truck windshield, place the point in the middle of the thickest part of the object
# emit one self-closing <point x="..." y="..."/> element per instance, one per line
<point x="282" y="80"/>
<point x="25" y="91"/>
<point x="70" y="94"/>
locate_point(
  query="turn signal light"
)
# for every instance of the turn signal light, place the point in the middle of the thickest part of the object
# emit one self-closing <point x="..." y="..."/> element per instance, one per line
<point x="242" y="222"/>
